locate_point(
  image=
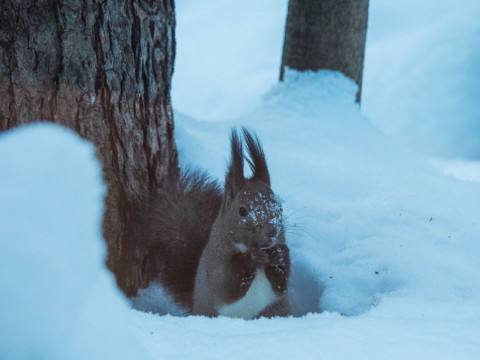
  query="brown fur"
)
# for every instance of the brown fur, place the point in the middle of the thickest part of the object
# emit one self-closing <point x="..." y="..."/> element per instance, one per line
<point x="175" y="227"/>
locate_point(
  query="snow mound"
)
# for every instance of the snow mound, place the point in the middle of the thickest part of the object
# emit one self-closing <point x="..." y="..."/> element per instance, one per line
<point x="57" y="298"/>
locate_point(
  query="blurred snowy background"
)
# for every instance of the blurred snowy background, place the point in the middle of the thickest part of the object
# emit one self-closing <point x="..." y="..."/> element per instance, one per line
<point x="420" y="78"/>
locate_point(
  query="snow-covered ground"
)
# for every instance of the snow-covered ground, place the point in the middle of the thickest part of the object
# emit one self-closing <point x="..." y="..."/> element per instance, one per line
<point x="384" y="244"/>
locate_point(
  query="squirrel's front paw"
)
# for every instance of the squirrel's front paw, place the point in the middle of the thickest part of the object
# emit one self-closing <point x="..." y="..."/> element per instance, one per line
<point x="259" y="257"/>
<point x="278" y="255"/>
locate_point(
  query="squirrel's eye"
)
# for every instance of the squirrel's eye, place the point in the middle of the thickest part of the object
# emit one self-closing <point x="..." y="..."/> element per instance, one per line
<point x="243" y="212"/>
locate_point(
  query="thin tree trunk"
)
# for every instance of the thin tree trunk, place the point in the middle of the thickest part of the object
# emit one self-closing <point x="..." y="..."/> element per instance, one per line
<point x="326" y="34"/>
<point x="103" y="69"/>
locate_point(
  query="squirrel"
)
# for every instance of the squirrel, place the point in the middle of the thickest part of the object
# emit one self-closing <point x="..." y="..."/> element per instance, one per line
<point x="220" y="252"/>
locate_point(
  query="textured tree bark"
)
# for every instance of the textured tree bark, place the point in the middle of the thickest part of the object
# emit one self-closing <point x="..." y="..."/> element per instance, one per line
<point x="326" y="34"/>
<point x="103" y="69"/>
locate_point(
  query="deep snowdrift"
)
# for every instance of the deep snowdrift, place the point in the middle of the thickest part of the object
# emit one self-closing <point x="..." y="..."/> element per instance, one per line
<point x="57" y="299"/>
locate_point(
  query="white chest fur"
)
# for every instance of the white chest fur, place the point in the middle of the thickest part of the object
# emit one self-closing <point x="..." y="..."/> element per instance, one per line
<point x="258" y="297"/>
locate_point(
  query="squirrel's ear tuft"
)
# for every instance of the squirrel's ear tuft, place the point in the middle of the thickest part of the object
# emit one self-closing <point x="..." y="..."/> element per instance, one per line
<point x="256" y="158"/>
<point x="235" y="178"/>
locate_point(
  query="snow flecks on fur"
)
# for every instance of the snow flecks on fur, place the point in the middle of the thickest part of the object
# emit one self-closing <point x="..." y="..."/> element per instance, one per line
<point x="264" y="209"/>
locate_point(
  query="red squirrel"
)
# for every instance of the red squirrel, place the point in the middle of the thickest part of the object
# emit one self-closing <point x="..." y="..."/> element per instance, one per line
<point x="221" y="252"/>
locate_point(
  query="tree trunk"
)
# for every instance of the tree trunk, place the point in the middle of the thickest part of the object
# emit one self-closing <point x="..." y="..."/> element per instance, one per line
<point x="103" y="69"/>
<point x="326" y="34"/>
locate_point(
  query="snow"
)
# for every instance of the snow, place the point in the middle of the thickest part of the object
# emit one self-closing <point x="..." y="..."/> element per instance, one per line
<point x="218" y="43"/>
<point x="57" y="299"/>
<point x="384" y="240"/>
<point x="460" y="168"/>
<point x="384" y="333"/>
<point x="426" y="93"/>
<point x="420" y="68"/>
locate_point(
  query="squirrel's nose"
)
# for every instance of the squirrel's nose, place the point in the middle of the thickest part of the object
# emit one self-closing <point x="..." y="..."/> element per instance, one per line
<point x="271" y="233"/>
<point x="265" y="236"/>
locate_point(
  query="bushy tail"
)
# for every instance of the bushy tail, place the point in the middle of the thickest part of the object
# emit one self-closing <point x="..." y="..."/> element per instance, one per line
<point x="176" y="225"/>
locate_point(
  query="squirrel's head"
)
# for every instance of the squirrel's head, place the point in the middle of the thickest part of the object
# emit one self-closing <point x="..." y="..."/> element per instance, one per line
<point x="250" y="209"/>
